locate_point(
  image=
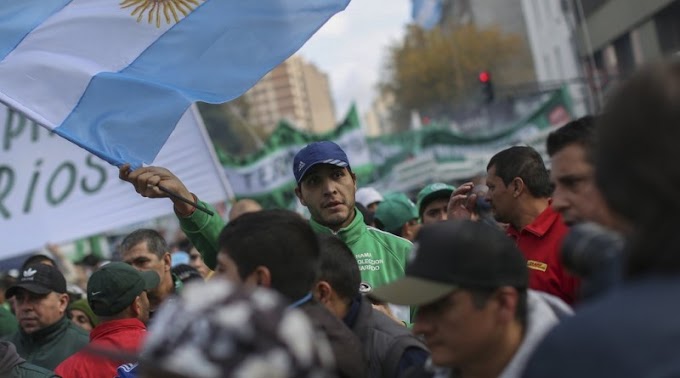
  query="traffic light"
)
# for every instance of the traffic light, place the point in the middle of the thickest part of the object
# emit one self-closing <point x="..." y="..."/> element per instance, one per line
<point x="487" y="87"/>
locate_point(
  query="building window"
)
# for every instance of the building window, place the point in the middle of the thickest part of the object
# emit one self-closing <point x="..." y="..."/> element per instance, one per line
<point x="668" y="28"/>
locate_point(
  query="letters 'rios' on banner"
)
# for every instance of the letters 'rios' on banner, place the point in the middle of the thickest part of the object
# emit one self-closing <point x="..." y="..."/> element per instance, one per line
<point x="53" y="191"/>
<point x="116" y="76"/>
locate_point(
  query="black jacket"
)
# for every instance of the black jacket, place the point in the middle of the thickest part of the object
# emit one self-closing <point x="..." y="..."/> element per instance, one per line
<point x="346" y="346"/>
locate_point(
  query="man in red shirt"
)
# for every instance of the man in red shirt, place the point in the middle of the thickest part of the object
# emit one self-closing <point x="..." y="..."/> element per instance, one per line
<point x="519" y="195"/>
<point x="117" y="295"/>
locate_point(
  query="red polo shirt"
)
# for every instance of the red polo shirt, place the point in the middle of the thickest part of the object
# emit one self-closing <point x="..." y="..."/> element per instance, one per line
<point x="541" y="244"/>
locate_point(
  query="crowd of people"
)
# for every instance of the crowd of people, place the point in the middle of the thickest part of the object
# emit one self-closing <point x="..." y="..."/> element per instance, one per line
<point x="493" y="278"/>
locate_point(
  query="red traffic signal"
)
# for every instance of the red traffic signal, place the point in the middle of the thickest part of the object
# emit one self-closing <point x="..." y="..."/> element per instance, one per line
<point x="484" y="76"/>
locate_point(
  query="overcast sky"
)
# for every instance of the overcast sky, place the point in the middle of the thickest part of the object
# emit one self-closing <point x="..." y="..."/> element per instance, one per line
<point x="352" y="47"/>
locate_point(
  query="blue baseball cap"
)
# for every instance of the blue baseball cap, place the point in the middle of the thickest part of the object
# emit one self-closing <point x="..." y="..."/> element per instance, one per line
<point x="324" y="152"/>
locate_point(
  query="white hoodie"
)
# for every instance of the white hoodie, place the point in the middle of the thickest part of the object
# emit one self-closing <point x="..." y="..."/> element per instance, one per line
<point x="544" y="311"/>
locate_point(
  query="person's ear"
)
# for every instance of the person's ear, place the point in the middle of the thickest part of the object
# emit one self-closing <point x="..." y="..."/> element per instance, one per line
<point x="63" y="302"/>
<point x="136" y="306"/>
<point x="517" y="186"/>
<point x="298" y="194"/>
<point x="507" y="299"/>
<point x="323" y="292"/>
<point x="262" y="276"/>
<point x="167" y="261"/>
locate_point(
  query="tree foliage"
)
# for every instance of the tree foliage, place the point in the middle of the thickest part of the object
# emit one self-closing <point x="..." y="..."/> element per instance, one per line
<point x="434" y="71"/>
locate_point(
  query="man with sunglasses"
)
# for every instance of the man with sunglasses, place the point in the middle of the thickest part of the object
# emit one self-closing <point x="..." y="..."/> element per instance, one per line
<point x="475" y="312"/>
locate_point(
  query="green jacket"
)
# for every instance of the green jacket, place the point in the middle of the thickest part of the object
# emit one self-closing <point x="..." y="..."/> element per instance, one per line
<point x="8" y="323"/>
<point x="381" y="256"/>
<point x="203" y="231"/>
<point x="13" y="366"/>
<point x="50" y="346"/>
<point x="26" y="370"/>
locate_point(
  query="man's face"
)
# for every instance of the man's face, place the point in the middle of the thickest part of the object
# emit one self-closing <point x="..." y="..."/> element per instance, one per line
<point x="576" y="196"/>
<point x="37" y="311"/>
<point x="500" y="197"/>
<point x="80" y="319"/>
<point x="456" y="331"/>
<point x="196" y="261"/>
<point x="435" y="211"/>
<point x="328" y="192"/>
<point x="142" y="259"/>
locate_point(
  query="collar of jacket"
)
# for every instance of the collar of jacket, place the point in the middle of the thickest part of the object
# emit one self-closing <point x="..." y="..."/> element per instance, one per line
<point x="48" y="333"/>
<point x="115" y="326"/>
<point x="349" y="234"/>
<point x="352" y="315"/>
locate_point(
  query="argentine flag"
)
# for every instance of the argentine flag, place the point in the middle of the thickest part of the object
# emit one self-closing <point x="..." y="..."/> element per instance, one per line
<point x="115" y="76"/>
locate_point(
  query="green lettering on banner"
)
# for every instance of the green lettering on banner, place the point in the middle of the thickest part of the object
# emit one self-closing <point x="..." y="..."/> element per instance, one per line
<point x="11" y="132"/>
<point x="6" y="184"/>
<point x="28" y="201"/>
<point x="92" y="163"/>
<point x="68" y="167"/>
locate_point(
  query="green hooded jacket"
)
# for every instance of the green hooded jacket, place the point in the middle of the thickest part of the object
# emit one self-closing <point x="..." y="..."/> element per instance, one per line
<point x="381" y="256"/>
<point x="51" y="345"/>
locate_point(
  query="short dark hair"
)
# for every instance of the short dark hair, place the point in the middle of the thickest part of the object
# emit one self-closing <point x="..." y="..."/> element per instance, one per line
<point x="637" y="150"/>
<point x="526" y="163"/>
<point x="338" y="267"/>
<point x="155" y="242"/>
<point x="280" y="240"/>
<point x="579" y="131"/>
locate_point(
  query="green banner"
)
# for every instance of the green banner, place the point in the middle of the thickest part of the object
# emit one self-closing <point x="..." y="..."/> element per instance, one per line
<point x="394" y="162"/>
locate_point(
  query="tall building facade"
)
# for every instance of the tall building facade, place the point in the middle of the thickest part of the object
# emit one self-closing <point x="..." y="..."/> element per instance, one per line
<point x="377" y="120"/>
<point x="551" y="31"/>
<point x="617" y="36"/>
<point x="297" y="91"/>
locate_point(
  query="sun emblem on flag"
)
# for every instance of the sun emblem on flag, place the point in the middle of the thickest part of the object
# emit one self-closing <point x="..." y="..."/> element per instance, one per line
<point x="157" y="10"/>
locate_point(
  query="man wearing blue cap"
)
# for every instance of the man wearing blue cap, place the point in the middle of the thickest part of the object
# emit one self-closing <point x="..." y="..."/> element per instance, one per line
<point x="326" y="185"/>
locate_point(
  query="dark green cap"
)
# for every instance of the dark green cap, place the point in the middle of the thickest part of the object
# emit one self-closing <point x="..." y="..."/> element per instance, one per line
<point x="115" y="286"/>
<point x="395" y="210"/>
<point x="431" y="192"/>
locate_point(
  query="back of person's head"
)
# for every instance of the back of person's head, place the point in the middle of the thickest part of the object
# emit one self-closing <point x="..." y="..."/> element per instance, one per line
<point x="280" y="240"/>
<point x="38" y="259"/>
<point x="154" y="240"/>
<point x="526" y="163"/>
<point x="580" y="131"/>
<point x="243" y="206"/>
<point x="219" y="329"/>
<point x="369" y="217"/>
<point x="186" y="273"/>
<point x="338" y="267"/>
<point x="637" y="166"/>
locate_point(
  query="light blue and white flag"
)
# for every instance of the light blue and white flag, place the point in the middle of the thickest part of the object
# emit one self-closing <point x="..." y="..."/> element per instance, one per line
<point x="427" y="13"/>
<point x="115" y="76"/>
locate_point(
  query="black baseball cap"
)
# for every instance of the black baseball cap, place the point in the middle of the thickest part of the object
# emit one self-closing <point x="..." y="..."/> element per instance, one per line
<point x="454" y="254"/>
<point x="115" y="286"/>
<point x="39" y="279"/>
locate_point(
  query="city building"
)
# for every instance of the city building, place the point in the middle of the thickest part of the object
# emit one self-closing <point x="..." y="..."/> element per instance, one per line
<point x="617" y="36"/>
<point x="550" y="29"/>
<point x="378" y="119"/>
<point x="296" y="91"/>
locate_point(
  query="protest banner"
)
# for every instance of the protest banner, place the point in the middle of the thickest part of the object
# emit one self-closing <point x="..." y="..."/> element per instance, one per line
<point x="53" y="191"/>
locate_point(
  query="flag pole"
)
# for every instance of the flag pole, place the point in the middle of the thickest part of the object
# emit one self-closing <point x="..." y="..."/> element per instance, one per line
<point x="185" y="200"/>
